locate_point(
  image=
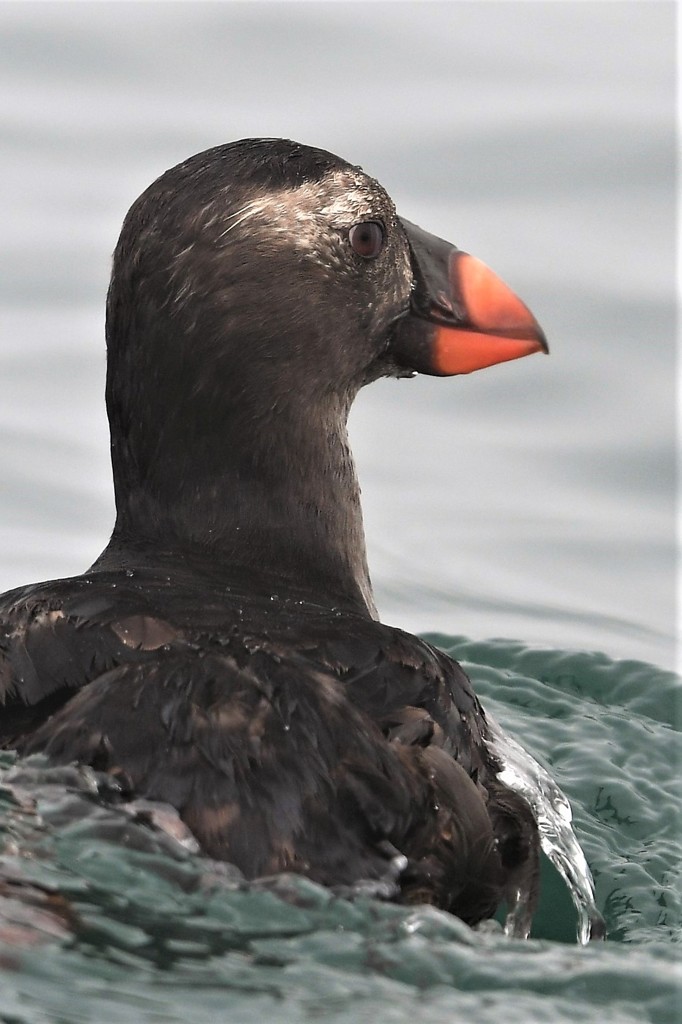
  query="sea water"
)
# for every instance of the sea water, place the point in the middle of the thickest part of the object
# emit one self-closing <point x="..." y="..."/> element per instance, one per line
<point x="533" y="501"/>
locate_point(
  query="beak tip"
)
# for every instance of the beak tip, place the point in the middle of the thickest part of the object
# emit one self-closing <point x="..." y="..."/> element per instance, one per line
<point x="542" y="342"/>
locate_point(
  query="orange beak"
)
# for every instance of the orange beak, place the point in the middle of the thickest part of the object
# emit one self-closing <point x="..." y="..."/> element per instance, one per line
<point x="462" y="316"/>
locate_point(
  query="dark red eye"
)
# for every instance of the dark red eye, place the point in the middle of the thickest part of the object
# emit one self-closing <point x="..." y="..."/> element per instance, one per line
<point x="367" y="239"/>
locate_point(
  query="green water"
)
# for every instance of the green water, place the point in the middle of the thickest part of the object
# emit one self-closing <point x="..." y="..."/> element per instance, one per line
<point x="105" y="919"/>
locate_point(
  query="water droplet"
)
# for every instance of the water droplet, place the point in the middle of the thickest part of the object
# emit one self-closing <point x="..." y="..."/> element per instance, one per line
<point x="522" y="773"/>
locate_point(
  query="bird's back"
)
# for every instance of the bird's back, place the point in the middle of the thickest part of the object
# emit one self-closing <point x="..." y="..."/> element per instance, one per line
<point x="289" y="735"/>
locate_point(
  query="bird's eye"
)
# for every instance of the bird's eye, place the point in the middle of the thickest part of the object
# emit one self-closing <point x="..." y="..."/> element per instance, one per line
<point x="367" y="239"/>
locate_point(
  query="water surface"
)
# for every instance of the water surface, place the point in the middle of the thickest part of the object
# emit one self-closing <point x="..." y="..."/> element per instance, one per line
<point x="533" y="501"/>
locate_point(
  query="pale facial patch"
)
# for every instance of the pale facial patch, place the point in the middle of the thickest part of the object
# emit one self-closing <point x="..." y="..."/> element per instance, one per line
<point x="314" y="218"/>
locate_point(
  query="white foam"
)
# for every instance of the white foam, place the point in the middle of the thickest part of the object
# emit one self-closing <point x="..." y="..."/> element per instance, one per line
<point x="552" y="811"/>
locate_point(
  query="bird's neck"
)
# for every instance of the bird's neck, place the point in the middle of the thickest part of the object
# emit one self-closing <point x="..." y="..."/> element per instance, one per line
<point x="272" y="498"/>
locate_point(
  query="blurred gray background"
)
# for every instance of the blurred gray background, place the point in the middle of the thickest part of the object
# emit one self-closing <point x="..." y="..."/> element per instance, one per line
<point x="532" y="500"/>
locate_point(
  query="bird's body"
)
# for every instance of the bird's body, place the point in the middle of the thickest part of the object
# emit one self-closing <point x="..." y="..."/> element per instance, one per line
<point x="223" y="654"/>
<point x="289" y="735"/>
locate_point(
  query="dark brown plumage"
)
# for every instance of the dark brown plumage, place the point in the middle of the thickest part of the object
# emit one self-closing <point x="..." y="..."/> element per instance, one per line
<point x="223" y="654"/>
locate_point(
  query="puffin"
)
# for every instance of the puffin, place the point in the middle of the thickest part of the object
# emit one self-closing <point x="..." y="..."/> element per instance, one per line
<point x="224" y="654"/>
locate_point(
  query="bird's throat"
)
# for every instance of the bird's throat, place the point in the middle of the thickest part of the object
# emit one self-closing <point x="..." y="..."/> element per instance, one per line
<point x="273" y="500"/>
